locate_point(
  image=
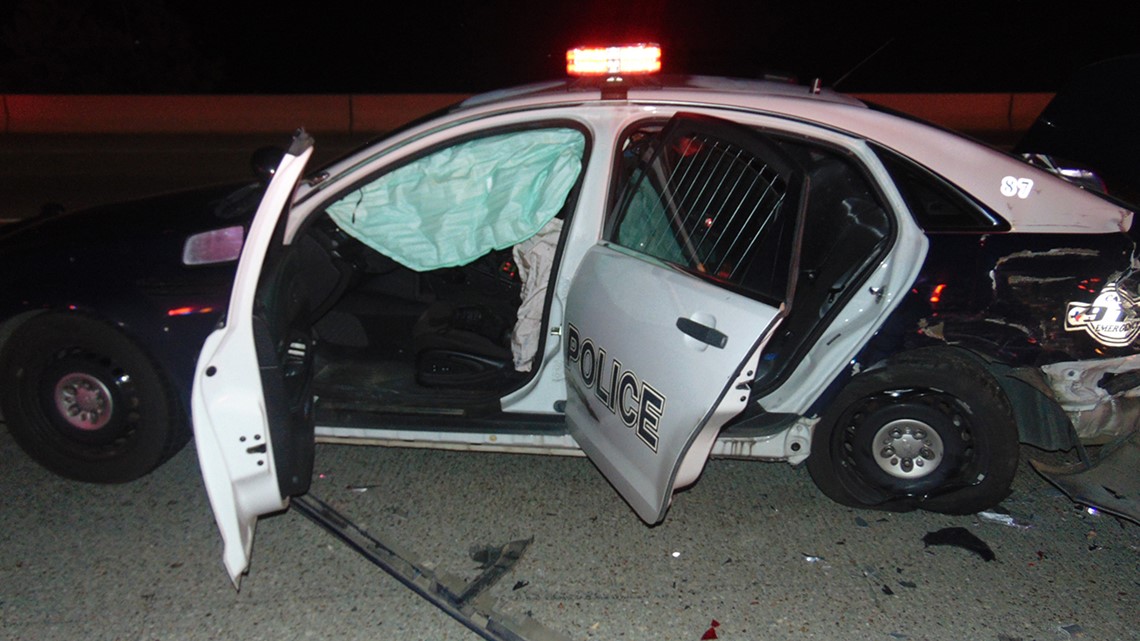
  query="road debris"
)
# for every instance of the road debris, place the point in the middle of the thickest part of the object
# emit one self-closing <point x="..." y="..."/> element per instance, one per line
<point x="1001" y="517"/>
<point x="711" y="632"/>
<point x="1109" y="483"/>
<point x="466" y="602"/>
<point x="1074" y="630"/>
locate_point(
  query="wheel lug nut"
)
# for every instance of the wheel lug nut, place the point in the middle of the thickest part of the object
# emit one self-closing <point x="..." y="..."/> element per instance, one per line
<point x="887" y="452"/>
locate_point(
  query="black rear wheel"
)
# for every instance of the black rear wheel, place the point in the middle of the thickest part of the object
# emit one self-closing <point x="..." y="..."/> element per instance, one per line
<point x="932" y="429"/>
<point x="86" y="402"/>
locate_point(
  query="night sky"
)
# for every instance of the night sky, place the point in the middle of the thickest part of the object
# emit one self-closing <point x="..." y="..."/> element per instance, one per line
<point x="212" y="46"/>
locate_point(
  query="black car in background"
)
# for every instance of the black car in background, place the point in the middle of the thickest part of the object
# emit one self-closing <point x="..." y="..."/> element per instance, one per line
<point x="102" y="314"/>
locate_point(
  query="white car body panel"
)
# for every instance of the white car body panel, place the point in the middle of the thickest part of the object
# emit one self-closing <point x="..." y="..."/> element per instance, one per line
<point x="696" y="383"/>
<point x="864" y="313"/>
<point x="538" y="396"/>
<point x="229" y="410"/>
<point x="231" y="428"/>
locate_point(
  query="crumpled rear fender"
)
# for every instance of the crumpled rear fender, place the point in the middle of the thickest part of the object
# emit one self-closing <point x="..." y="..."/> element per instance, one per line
<point x="1110" y="483"/>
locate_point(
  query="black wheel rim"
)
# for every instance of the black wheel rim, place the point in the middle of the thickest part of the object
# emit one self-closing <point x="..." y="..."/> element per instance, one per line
<point x="905" y="443"/>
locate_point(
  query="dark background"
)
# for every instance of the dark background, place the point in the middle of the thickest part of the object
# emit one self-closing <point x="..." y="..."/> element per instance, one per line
<point x="213" y="46"/>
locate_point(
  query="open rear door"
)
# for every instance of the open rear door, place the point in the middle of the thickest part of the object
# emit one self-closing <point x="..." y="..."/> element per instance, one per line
<point x="667" y="316"/>
<point x="252" y="397"/>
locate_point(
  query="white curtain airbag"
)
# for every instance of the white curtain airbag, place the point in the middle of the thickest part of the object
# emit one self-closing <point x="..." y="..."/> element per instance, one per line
<point x="454" y="205"/>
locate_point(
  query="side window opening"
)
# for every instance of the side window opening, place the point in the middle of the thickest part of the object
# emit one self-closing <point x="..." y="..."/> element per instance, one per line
<point x="937" y="205"/>
<point x="451" y="206"/>
<point x="709" y="198"/>
<point x="847" y="230"/>
<point x="435" y="272"/>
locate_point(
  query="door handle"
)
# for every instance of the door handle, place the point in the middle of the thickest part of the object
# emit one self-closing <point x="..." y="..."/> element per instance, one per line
<point x="703" y="333"/>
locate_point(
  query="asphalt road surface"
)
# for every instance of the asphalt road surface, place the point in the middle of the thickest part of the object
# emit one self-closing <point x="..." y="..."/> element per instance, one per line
<point x="753" y="547"/>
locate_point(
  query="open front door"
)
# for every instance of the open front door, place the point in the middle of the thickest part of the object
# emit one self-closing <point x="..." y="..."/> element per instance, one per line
<point x="252" y="398"/>
<point x="667" y="316"/>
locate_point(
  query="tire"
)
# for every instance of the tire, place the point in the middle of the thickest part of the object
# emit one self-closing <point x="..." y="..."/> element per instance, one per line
<point x="84" y="401"/>
<point x="932" y="430"/>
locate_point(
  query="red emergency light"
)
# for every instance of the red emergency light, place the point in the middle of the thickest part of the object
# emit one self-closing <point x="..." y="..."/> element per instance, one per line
<point x="639" y="59"/>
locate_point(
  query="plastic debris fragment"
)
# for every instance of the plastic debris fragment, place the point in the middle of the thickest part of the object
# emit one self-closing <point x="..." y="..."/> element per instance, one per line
<point x="1001" y="518"/>
<point x="959" y="537"/>
<point x="711" y="632"/>
<point x="811" y="558"/>
<point x="861" y="522"/>
<point x="1074" y="630"/>
<point x="1091" y="539"/>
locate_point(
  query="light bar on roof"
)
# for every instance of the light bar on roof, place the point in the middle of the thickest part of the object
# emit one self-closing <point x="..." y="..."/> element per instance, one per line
<point x="614" y="61"/>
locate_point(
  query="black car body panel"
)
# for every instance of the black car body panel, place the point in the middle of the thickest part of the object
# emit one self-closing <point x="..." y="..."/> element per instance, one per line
<point x="1092" y="121"/>
<point x="122" y="264"/>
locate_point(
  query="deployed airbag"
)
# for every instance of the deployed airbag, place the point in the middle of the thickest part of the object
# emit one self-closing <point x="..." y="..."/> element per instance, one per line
<point x="454" y="205"/>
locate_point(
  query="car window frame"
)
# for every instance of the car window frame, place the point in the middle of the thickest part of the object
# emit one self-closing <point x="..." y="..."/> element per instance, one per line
<point x="619" y="181"/>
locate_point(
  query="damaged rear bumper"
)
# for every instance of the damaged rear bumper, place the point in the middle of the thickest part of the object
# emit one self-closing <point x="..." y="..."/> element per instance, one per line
<point x="1109" y="483"/>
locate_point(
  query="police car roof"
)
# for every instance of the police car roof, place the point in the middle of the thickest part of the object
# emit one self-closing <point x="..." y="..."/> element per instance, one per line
<point x="561" y="90"/>
<point x="1051" y="206"/>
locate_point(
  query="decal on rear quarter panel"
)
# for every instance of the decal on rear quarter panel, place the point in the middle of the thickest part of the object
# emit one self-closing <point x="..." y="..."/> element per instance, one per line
<point x="1111" y="319"/>
<point x="1013" y="186"/>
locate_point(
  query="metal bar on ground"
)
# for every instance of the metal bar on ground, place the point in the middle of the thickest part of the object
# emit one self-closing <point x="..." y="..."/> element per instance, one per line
<point x="465" y="603"/>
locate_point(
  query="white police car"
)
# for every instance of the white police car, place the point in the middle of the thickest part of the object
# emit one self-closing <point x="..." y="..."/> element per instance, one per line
<point x="656" y="270"/>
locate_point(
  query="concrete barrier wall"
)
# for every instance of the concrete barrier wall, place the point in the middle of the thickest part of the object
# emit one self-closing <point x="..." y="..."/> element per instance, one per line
<point x="1005" y="114"/>
<point x="58" y="114"/>
<point x="992" y="114"/>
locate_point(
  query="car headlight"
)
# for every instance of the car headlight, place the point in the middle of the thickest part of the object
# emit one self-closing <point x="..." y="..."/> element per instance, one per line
<point x="212" y="247"/>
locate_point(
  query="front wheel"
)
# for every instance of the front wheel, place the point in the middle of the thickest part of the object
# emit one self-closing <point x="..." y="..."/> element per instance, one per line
<point x="85" y="401"/>
<point x="931" y="429"/>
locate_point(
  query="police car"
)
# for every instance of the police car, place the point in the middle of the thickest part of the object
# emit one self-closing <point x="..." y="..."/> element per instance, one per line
<point x="655" y="270"/>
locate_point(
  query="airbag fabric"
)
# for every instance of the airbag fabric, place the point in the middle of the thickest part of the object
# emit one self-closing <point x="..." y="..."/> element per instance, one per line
<point x="454" y="205"/>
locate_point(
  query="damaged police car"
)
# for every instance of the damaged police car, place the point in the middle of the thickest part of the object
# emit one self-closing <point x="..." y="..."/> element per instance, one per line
<point x="656" y="272"/>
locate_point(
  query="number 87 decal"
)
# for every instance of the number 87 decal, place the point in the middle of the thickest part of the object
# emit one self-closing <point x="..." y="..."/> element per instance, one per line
<point x="1012" y="186"/>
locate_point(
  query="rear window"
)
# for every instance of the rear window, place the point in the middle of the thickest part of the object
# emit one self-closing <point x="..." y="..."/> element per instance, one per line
<point x="936" y="204"/>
